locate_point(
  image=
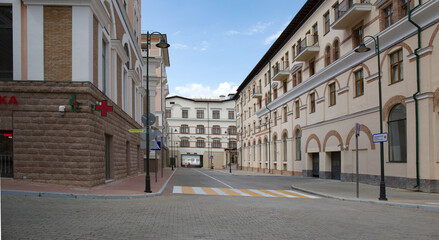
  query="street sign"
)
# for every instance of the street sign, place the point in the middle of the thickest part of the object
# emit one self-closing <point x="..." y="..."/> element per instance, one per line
<point x="151" y="119"/>
<point x="157" y="146"/>
<point x="211" y="157"/>
<point x="379" y="137"/>
<point x="357" y="129"/>
<point x="137" y="130"/>
<point x="153" y="145"/>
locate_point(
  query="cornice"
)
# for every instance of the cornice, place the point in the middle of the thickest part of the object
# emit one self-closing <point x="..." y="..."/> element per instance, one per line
<point x="116" y="44"/>
<point x="425" y="15"/>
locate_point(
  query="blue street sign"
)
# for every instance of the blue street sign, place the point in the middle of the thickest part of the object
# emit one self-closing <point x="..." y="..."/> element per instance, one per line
<point x="158" y="147"/>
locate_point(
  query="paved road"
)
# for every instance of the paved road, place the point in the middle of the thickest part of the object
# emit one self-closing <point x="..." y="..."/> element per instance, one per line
<point x="178" y="216"/>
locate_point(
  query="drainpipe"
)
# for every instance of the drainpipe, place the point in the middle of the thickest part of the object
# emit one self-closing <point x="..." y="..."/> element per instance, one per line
<point x="242" y="124"/>
<point x="269" y="122"/>
<point x="418" y="83"/>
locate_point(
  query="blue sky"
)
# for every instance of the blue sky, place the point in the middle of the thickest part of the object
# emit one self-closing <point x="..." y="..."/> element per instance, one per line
<point x="215" y="43"/>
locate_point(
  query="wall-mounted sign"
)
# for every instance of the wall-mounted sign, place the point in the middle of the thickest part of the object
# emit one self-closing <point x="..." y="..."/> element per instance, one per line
<point x="74" y="104"/>
<point x="104" y="108"/>
<point x="4" y="100"/>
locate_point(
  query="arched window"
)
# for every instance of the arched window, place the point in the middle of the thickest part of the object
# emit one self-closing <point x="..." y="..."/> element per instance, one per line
<point x="254" y="150"/>
<point x="216" y="129"/>
<point x="298" y="145"/>
<point x="216" y="143"/>
<point x="200" y="129"/>
<point x="266" y="149"/>
<point x="397" y="134"/>
<point x="184" y="142"/>
<point x="275" y="148"/>
<point x="285" y="147"/>
<point x="327" y="55"/>
<point x="260" y="150"/>
<point x="336" y="50"/>
<point x="125" y="47"/>
<point x="184" y="129"/>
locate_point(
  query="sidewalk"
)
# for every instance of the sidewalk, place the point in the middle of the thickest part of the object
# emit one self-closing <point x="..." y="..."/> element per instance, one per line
<point x="347" y="191"/>
<point x="132" y="187"/>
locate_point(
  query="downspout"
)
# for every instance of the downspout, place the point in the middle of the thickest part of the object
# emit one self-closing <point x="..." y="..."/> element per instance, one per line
<point x="208" y="138"/>
<point x="418" y="83"/>
<point x="242" y="124"/>
<point x="269" y="121"/>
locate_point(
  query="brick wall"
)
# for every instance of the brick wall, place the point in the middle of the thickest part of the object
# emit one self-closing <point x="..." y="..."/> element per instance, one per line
<point x="57" y="43"/>
<point x="66" y="149"/>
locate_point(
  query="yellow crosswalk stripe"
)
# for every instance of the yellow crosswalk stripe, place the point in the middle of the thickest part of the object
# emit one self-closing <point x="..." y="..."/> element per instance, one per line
<point x="239" y="192"/>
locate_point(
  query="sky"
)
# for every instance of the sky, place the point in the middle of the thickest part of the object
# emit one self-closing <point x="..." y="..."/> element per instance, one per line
<point x="215" y="43"/>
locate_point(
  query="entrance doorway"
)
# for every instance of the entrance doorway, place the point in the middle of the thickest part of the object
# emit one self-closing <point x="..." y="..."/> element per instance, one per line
<point x="315" y="165"/>
<point x="6" y="156"/>
<point x="335" y="165"/>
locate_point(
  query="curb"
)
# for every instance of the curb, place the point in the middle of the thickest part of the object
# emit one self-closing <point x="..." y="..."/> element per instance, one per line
<point x="409" y="205"/>
<point x="85" y="196"/>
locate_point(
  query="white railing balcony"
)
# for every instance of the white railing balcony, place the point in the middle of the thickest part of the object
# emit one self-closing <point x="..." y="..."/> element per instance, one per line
<point x="307" y="48"/>
<point x="281" y="71"/>
<point x="257" y="92"/>
<point x="349" y="12"/>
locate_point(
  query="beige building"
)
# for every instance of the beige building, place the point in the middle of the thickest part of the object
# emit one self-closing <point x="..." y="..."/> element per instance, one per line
<point x="73" y="70"/>
<point x="202" y="132"/>
<point x="298" y="107"/>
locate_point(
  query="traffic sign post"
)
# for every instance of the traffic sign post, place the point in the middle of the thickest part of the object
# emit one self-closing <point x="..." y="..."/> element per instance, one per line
<point x="380" y="137"/>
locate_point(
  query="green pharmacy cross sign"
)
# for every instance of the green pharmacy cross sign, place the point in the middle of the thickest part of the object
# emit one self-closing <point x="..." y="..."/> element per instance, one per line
<point x="74" y="104"/>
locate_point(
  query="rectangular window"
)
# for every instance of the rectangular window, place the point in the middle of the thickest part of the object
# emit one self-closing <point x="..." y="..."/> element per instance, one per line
<point x="315" y="33"/>
<point x="6" y="59"/>
<point x="297" y="109"/>
<point x="200" y="129"/>
<point x="285" y="114"/>
<point x="332" y="94"/>
<point x="359" y="83"/>
<point x="200" y="143"/>
<point x="232" y="114"/>
<point x="216" y="143"/>
<point x="312" y="67"/>
<point x="275" y="118"/>
<point x="184" y="129"/>
<point x="396" y="66"/>
<point x="357" y="36"/>
<point x="216" y="130"/>
<point x="184" y="113"/>
<point x="104" y="67"/>
<point x="232" y="130"/>
<point x="388" y="16"/>
<point x="313" y="103"/>
<point x="326" y="20"/>
<point x="200" y="114"/>
<point x="406" y="6"/>
<point x="299" y="77"/>
<point x="294" y="79"/>
<point x="184" y="143"/>
<point x="216" y="114"/>
<point x="168" y="113"/>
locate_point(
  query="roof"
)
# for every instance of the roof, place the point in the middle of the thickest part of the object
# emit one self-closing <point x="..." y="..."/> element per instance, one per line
<point x="304" y="13"/>
<point x="200" y="99"/>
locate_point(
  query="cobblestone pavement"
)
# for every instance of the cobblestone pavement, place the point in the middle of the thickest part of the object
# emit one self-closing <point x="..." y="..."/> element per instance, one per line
<point x="177" y="216"/>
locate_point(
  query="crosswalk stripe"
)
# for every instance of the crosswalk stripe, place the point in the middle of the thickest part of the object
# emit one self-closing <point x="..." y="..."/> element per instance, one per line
<point x="241" y="192"/>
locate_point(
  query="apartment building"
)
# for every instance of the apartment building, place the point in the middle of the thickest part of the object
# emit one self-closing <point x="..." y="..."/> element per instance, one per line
<point x="202" y="132"/>
<point x="73" y="72"/>
<point x="299" y="107"/>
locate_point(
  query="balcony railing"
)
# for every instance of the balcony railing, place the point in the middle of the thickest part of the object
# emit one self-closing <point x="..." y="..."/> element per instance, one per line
<point x="349" y="12"/>
<point x="307" y="47"/>
<point x="257" y="92"/>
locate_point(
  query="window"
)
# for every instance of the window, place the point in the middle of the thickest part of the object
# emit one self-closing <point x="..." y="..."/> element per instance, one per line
<point x="232" y="114"/>
<point x="200" y="143"/>
<point x="104" y="64"/>
<point x="313" y="103"/>
<point x="184" y="142"/>
<point x="336" y="50"/>
<point x="326" y="21"/>
<point x="332" y="94"/>
<point x="232" y="130"/>
<point x="359" y="83"/>
<point x="232" y="144"/>
<point x="297" y="109"/>
<point x="299" y="77"/>
<point x="315" y="33"/>
<point x="200" y="114"/>
<point x="184" y="113"/>
<point x="216" y="114"/>
<point x="184" y="129"/>
<point x="388" y="16"/>
<point x="327" y="55"/>
<point x="294" y="79"/>
<point x="284" y="85"/>
<point x="396" y="67"/>
<point x="285" y="114"/>
<point x="293" y="51"/>
<point x="265" y="79"/>
<point x="200" y="129"/>
<point x="357" y="36"/>
<point x="216" y="143"/>
<point x="168" y="113"/>
<point x="275" y="118"/>
<point x="216" y="130"/>
<point x="275" y="93"/>
<point x="275" y="148"/>
<point x="397" y="134"/>
<point x="285" y="147"/>
<point x="298" y="145"/>
<point x="6" y="59"/>
<point x="406" y="6"/>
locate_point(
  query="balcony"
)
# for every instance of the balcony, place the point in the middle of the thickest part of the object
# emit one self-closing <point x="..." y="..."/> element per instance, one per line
<point x="307" y="48"/>
<point x="257" y="92"/>
<point x="281" y="71"/>
<point x="349" y="12"/>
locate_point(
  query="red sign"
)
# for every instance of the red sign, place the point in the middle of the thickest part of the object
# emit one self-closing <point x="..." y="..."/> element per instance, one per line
<point x="104" y="108"/>
<point x="7" y="135"/>
<point x="12" y="100"/>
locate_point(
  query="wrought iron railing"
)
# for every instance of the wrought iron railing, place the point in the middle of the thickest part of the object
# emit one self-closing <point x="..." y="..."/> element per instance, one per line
<point x="257" y="90"/>
<point x="6" y="166"/>
<point x="282" y="66"/>
<point x="346" y="5"/>
<point x="308" y="41"/>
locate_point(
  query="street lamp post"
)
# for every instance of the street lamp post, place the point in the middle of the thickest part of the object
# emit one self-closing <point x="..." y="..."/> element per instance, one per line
<point x="161" y="44"/>
<point x="362" y="48"/>
<point x="172" y="154"/>
<point x="228" y="147"/>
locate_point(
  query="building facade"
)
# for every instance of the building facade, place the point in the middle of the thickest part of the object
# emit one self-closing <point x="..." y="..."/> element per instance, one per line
<point x="202" y="132"/>
<point x="299" y="106"/>
<point x="75" y="77"/>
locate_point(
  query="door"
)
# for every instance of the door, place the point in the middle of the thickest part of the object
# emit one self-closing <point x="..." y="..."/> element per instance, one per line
<point x="335" y="165"/>
<point x="6" y="157"/>
<point x="107" y="157"/>
<point x="315" y="165"/>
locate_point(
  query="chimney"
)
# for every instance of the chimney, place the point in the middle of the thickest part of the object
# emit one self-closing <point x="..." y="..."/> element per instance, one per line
<point x="222" y="97"/>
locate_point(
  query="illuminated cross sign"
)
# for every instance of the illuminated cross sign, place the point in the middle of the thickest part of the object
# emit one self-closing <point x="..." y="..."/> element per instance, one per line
<point x="104" y="108"/>
<point x="75" y="104"/>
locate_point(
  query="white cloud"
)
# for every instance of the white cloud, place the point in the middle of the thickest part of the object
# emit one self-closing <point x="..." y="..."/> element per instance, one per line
<point x="271" y="38"/>
<point x="204" y="45"/>
<point x="196" y="90"/>
<point x="177" y="32"/>
<point x="232" y="32"/>
<point x="259" y="27"/>
<point x="179" y="46"/>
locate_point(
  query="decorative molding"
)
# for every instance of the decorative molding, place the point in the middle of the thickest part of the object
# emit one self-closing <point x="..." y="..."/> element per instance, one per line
<point x="322" y="99"/>
<point x="420" y="97"/>
<point x="116" y="44"/>
<point x="372" y="77"/>
<point x="421" y="52"/>
<point x="342" y="90"/>
<point x="345" y="117"/>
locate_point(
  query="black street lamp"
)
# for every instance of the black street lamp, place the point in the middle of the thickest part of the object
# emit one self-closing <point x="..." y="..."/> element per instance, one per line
<point x="228" y="147"/>
<point x="161" y="44"/>
<point x="362" y="48"/>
